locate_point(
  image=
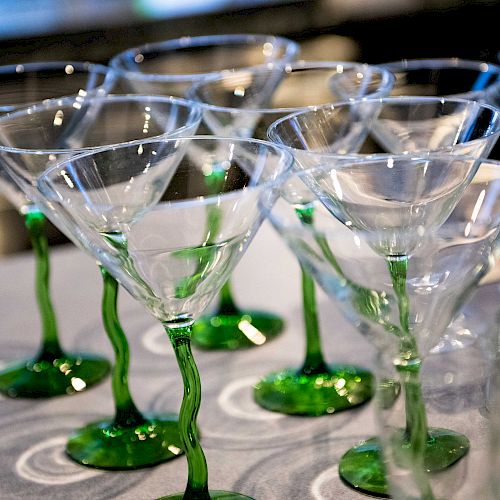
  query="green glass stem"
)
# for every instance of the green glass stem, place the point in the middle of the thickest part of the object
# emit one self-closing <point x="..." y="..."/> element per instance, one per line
<point x="228" y="327"/>
<point x="51" y="372"/>
<point x="417" y="448"/>
<point x="129" y="440"/>
<point x="315" y="388"/>
<point x="227" y="306"/>
<point x="215" y="183"/>
<point x="398" y="268"/>
<point x="416" y="418"/>
<point x="197" y="485"/>
<point x="50" y="348"/>
<point x="127" y="413"/>
<point x="314" y="363"/>
<point x="416" y="432"/>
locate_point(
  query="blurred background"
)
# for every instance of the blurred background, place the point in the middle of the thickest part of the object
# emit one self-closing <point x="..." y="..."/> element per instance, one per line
<point x="371" y="31"/>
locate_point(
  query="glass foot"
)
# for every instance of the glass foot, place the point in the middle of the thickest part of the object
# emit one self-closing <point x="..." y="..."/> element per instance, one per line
<point x="295" y="393"/>
<point x="106" y="445"/>
<point x="214" y="495"/>
<point x="362" y="467"/>
<point x="45" y="378"/>
<point x="235" y="331"/>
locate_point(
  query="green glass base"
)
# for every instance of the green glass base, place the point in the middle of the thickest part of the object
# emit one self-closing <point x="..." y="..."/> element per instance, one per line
<point x="214" y="495"/>
<point x="105" y="445"/>
<point x="236" y="331"/>
<point x="295" y="393"/>
<point x="47" y="378"/>
<point x="362" y="467"/>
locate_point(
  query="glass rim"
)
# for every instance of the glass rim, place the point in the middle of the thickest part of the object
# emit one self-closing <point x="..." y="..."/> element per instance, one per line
<point x="299" y="173"/>
<point x="44" y="178"/>
<point x="31" y="68"/>
<point x="478" y="67"/>
<point x="388" y="78"/>
<point x="272" y="136"/>
<point x="441" y="63"/>
<point x="67" y="101"/>
<point x="47" y="65"/>
<point x="115" y="63"/>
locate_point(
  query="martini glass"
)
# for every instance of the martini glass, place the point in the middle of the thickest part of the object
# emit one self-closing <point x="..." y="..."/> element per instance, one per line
<point x="402" y="288"/>
<point x="31" y="140"/>
<point x="52" y="371"/>
<point x="244" y="103"/>
<point x="408" y="124"/>
<point x="476" y="80"/>
<point x="172" y="66"/>
<point x="167" y="255"/>
<point x="444" y="77"/>
<point x="402" y="124"/>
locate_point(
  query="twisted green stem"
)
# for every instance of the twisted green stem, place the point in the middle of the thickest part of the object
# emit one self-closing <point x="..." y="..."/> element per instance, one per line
<point x="398" y="268"/>
<point x="416" y="432"/>
<point x="197" y="485"/>
<point x="50" y="348"/>
<point x="127" y="413"/>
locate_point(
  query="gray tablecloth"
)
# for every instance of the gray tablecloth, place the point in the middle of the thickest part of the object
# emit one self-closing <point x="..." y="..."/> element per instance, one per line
<point x="264" y="455"/>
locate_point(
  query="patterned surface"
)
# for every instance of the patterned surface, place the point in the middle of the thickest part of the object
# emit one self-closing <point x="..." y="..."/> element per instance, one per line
<point x="265" y="455"/>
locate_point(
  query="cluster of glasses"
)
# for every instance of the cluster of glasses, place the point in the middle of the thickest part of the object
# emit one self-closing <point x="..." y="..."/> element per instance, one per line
<point x="164" y="164"/>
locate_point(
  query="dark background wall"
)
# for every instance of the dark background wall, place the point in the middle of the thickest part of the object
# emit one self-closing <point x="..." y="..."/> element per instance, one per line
<point x="382" y="30"/>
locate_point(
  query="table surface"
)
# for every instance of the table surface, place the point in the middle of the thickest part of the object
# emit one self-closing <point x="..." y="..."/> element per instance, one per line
<point x="265" y="455"/>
